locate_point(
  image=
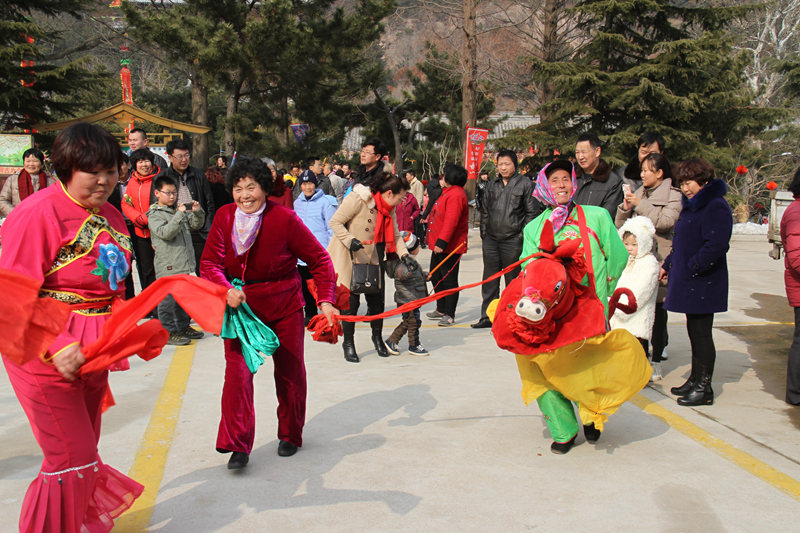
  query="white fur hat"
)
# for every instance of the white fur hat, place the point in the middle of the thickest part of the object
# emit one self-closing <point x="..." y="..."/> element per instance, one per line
<point x="643" y="229"/>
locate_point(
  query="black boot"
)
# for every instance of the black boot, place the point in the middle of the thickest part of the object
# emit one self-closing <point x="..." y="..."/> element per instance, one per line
<point x="350" y="354"/>
<point x="377" y="340"/>
<point x="685" y="388"/>
<point x="700" y="393"/>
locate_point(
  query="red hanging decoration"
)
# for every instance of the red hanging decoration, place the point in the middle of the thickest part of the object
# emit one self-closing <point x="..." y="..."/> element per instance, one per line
<point x="772" y="185"/>
<point x="741" y="169"/>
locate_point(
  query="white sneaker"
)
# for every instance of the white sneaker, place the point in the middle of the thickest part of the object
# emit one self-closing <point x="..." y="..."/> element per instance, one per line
<point x="664" y="355"/>
<point x="656" y="376"/>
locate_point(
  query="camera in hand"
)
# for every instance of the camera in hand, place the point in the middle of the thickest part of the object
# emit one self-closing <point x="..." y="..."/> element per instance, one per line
<point x="188" y="205"/>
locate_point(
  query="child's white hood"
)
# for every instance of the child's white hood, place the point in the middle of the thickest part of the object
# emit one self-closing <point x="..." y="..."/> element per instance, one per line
<point x="644" y="231"/>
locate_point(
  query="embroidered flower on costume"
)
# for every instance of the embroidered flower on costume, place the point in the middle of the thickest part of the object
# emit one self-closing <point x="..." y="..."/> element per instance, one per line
<point x="128" y="200"/>
<point x="111" y="265"/>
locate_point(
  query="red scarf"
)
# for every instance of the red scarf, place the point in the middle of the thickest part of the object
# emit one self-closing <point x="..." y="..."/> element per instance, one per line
<point x="384" y="228"/>
<point x="26" y="185"/>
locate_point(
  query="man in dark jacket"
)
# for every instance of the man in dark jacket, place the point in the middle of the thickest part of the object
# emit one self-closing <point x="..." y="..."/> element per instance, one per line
<point x="192" y="186"/>
<point x="598" y="184"/>
<point x="506" y="207"/>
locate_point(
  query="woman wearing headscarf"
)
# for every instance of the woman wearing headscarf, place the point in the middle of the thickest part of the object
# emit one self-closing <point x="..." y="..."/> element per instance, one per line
<point x="252" y="248"/>
<point x="24" y="183"/>
<point x="365" y="231"/>
<point x="555" y="187"/>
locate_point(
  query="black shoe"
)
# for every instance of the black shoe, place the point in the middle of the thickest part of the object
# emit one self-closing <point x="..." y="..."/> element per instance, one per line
<point x="591" y="433"/>
<point x="350" y="354"/>
<point x="286" y="449"/>
<point x="392" y="347"/>
<point x="238" y="460"/>
<point x="377" y="341"/>
<point x="192" y="333"/>
<point x="700" y="394"/>
<point x="482" y="323"/>
<point x="685" y="388"/>
<point x="562" y="447"/>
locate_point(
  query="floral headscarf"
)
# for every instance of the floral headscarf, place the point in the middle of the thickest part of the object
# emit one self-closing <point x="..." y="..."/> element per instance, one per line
<point x="545" y="194"/>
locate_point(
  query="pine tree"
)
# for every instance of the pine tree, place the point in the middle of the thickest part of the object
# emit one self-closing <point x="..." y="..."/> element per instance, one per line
<point x="652" y="65"/>
<point x="32" y="88"/>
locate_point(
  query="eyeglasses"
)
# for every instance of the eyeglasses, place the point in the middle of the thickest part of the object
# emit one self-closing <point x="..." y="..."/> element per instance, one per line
<point x="181" y="157"/>
<point x="168" y="193"/>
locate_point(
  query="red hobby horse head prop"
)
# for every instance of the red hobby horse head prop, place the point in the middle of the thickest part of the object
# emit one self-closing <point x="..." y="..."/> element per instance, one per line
<point x="546" y="307"/>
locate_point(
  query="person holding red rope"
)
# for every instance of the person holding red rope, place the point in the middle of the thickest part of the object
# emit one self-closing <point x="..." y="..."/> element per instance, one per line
<point x="555" y="186"/>
<point x="365" y="230"/>
<point x="447" y="238"/>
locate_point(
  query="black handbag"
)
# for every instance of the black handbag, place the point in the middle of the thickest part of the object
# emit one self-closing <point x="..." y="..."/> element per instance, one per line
<point x="366" y="278"/>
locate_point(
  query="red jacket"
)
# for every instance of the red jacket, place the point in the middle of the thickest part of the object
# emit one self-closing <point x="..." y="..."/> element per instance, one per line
<point x="137" y="200"/>
<point x="448" y="226"/>
<point x="406" y="212"/>
<point x="269" y="267"/>
<point x="790" y="236"/>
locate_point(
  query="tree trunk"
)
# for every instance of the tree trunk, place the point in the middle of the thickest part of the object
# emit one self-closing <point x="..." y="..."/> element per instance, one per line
<point x="231" y="109"/>
<point x="549" y="47"/>
<point x="469" y="86"/>
<point x="398" y="146"/>
<point x="282" y="131"/>
<point x="199" y="117"/>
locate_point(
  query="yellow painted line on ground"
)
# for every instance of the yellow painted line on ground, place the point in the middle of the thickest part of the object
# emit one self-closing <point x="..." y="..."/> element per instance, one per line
<point x="151" y="458"/>
<point x="725" y="450"/>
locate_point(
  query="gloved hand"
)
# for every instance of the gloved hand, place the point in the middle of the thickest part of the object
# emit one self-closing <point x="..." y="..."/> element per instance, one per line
<point x="410" y="263"/>
<point x="355" y="245"/>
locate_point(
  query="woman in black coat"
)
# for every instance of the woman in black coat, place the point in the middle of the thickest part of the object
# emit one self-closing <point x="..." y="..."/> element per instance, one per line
<point x="698" y="271"/>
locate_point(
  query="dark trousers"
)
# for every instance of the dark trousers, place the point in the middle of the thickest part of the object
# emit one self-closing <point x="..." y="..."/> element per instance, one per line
<point x="375" y="305"/>
<point x="198" y="242"/>
<point x="172" y="316"/>
<point x="704" y="354"/>
<point x="446" y="277"/>
<point x="793" y="370"/>
<point x="496" y="256"/>
<point x="145" y="257"/>
<point x="310" y="307"/>
<point x="660" y="336"/>
<point x="411" y="323"/>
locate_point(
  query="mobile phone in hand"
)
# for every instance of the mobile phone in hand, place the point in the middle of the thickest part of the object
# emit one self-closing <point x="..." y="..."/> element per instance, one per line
<point x="626" y="188"/>
<point x="188" y="205"/>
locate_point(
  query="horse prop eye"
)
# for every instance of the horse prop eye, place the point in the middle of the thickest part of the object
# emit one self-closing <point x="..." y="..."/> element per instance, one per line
<point x="558" y="286"/>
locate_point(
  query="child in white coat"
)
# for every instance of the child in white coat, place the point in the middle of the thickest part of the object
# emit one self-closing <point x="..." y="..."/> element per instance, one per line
<point x="641" y="277"/>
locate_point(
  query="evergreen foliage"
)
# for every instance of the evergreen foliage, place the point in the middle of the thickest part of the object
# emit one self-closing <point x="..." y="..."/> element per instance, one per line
<point x="53" y="86"/>
<point x="652" y="65"/>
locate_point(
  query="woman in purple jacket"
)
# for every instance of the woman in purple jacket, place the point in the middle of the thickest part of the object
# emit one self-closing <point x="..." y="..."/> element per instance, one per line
<point x="698" y="271"/>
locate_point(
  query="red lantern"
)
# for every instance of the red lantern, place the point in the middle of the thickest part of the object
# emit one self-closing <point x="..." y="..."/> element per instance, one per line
<point x="741" y="169"/>
<point x="772" y="185"/>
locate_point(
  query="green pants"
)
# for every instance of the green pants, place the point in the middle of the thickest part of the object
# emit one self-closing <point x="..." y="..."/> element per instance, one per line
<point x="559" y="414"/>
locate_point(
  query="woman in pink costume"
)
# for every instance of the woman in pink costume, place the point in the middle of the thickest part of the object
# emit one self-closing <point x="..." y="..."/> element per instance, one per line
<point x="77" y="245"/>
<point x="252" y="249"/>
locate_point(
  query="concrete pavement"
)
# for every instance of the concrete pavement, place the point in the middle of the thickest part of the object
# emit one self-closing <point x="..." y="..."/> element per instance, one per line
<point x="444" y="443"/>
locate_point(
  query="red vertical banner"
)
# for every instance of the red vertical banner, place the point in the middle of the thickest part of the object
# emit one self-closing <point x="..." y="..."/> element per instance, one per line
<point x="473" y="152"/>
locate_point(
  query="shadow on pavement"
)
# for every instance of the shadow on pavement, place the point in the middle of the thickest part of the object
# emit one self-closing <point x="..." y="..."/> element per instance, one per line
<point x="271" y="482"/>
<point x="768" y="345"/>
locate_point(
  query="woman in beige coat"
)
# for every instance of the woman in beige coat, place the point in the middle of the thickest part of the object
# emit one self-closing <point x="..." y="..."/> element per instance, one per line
<point x="27" y="181"/>
<point x="659" y="201"/>
<point x="367" y="216"/>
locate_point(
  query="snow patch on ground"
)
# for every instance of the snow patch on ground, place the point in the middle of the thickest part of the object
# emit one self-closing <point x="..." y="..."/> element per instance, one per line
<point x="750" y="228"/>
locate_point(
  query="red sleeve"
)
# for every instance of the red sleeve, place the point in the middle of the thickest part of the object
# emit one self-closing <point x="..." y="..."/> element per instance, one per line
<point x="212" y="262"/>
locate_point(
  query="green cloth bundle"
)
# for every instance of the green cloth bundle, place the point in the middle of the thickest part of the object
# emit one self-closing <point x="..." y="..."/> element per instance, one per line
<point x="257" y="339"/>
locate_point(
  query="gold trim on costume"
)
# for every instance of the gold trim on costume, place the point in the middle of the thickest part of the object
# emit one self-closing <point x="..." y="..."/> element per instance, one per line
<point x="74" y="299"/>
<point x="84" y="241"/>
